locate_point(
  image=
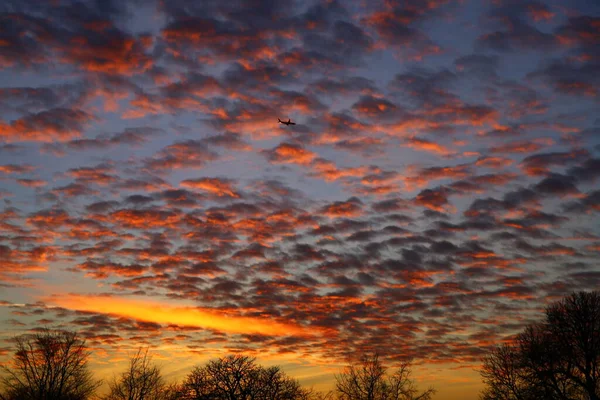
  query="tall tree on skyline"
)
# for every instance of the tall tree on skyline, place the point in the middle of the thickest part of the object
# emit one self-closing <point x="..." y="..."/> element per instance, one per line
<point x="142" y="380"/>
<point x="48" y="365"/>
<point x="558" y="358"/>
<point x="368" y="380"/>
<point x="238" y="377"/>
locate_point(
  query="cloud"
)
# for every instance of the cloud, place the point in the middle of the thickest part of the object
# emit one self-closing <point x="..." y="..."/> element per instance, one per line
<point x="19" y="262"/>
<point x="219" y="187"/>
<point x="347" y="86"/>
<point x="16" y="169"/>
<point x="135" y="137"/>
<point x="20" y="48"/>
<point x="539" y="164"/>
<point x="349" y="208"/>
<point x="99" y="175"/>
<point x="32" y="183"/>
<point x="426" y="145"/>
<point x="588" y="171"/>
<point x="557" y="184"/>
<point x="164" y="313"/>
<point x="434" y="199"/>
<point x="571" y="77"/>
<point x="518" y="33"/>
<point x="372" y="107"/>
<point x="189" y="154"/>
<point x="519" y="36"/>
<point x="102" y="270"/>
<point x="57" y="124"/>
<point x="141" y="219"/>
<point x="396" y="27"/>
<point x="108" y="51"/>
<point x="520" y="146"/>
<point x="289" y="153"/>
<point x="429" y="174"/>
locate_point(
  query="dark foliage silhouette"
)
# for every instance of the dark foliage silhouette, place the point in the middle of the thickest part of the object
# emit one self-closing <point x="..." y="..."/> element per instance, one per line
<point x="48" y="365"/>
<point x="368" y="380"/>
<point x="238" y="377"/>
<point x="558" y="358"/>
<point x="141" y="381"/>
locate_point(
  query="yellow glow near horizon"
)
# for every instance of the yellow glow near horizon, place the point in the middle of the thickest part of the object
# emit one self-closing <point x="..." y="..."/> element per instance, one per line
<point x="179" y="315"/>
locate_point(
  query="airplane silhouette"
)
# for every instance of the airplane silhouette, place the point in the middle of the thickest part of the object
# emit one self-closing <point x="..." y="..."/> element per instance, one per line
<point x="289" y="122"/>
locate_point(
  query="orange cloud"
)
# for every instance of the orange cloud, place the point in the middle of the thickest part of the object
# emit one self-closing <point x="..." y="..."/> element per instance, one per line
<point x="540" y="12"/>
<point x="522" y="146"/>
<point x="330" y="172"/>
<point x="426" y="145"/>
<point x="421" y="177"/>
<point x="144" y="218"/>
<point x="463" y="114"/>
<point x="163" y="313"/>
<point x="16" y="169"/>
<point x="291" y="154"/>
<point x="115" y="55"/>
<point x="144" y="105"/>
<point x="493" y="162"/>
<point x="57" y="124"/>
<point x="215" y="186"/>
<point x="350" y="208"/>
<point x="96" y="175"/>
<point x="33" y="183"/>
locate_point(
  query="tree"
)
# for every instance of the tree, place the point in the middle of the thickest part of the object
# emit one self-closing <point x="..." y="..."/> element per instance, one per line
<point x="233" y="377"/>
<point x="49" y="365"/>
<point x="574" y="325"/>
<point x="556" y="359"/>
<point x="505" y="377"/>
<point x="141" y="381"/>
<point x="368" y="380"/>
<point x="274" y="384"/>
<point x="238" y="377"/>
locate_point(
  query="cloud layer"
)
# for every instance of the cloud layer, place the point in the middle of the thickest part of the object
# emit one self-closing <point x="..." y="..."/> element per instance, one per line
<point x="440" y="185"/>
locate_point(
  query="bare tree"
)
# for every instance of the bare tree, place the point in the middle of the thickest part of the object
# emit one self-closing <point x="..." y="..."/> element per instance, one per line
<point x="314" y="395"/>
<point x="141" y="381"/>
<point x="238" y="377"/>
<point x="175" y="391"/>
<point x="368" y="380"/>
<point x="556" y="359"/>
<point x="199" y="385"/>
<point x="503" y="374"/>
<point x="234" y="377"/>
<point x="274" y="384"/>
<point x="49" y="365"/>
<point x="574" y="324"/>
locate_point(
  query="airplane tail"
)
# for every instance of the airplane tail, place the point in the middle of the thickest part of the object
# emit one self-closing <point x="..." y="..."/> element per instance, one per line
<point x="278" y="120"/>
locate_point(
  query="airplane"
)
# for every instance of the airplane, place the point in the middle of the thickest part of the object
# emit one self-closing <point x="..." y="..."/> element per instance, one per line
<point x="289" y="122"/>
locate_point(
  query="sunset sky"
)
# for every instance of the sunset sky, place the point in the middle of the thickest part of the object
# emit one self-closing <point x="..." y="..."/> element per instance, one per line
<point x="440" y="187"/>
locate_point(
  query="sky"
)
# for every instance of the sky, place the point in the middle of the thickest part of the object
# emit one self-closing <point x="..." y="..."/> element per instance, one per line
<point x="439" y="188"/>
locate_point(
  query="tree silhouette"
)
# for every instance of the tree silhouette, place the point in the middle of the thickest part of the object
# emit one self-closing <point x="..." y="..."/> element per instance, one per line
<point x="274" y="384"/>
<point x="49" y="365"/>
<point x="141" y="381"/>
<point x="238" y="377"/>
<point x="368" y="380"/>
<point x="558" y="358"/>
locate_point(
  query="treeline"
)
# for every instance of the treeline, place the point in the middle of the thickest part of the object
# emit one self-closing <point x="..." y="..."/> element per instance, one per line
<point x="557" y="358"/>
<point x="53" y="365"/>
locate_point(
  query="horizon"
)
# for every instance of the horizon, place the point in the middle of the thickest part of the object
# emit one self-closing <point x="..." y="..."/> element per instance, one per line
<point x="438" y="190"/>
